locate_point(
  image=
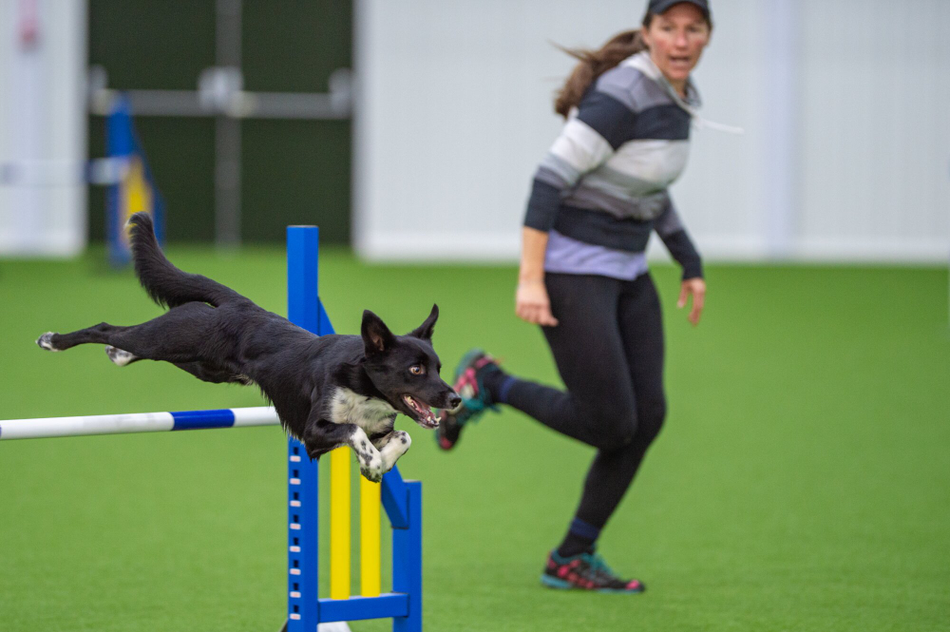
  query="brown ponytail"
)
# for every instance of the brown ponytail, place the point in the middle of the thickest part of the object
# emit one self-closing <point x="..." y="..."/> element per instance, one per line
<point x="594" y="63"/>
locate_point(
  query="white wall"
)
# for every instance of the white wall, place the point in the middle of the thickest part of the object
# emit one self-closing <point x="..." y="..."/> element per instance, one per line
<point x="875" y="134"/>
<point x="42" y="127"/>
<point x="844" y="102"/>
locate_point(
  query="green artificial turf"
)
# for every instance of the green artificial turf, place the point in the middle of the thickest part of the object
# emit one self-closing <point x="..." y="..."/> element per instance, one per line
<point x="802" y="481"/>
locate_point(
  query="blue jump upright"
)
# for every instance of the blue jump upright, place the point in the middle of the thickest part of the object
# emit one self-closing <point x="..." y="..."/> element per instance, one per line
<point x="402" y="500"/>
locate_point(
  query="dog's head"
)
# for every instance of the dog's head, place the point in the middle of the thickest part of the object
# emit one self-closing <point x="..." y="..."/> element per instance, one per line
<point x="406" y="368"/>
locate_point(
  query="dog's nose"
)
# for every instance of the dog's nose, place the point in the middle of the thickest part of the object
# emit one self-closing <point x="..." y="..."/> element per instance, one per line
<point x="454" y="401"/>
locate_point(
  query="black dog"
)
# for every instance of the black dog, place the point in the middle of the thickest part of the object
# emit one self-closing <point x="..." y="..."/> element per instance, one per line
<point x="329" y="391"/>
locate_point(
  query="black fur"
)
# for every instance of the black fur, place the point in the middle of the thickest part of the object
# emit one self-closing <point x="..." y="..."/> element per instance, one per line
<point x="218" y="335"/>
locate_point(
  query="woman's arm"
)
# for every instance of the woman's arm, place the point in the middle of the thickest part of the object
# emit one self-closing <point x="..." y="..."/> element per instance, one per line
<point x="531" y="298"/>
<point x="671" y="230"/>
<point x="587" y="140"/>
<point x="695" y="287"/>
<point x="682" y="249"/>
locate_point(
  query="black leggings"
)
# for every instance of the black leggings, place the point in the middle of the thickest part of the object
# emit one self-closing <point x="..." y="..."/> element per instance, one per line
<point x="609" y="351"/>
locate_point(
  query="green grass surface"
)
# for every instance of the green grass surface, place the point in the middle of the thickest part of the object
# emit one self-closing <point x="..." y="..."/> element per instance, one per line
<point x="802" y="481"/>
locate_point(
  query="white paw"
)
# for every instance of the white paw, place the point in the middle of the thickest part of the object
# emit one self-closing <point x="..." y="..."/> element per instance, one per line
<point x="401" y="442"/>
<point x="45" y="341"/>
<point x="397" y="445"/>
<point x="370" y="460"/>
<point x="119" y="357"/>
<point x="372" y="469"/>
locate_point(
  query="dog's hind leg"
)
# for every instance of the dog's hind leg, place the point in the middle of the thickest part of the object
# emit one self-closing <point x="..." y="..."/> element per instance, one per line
<point x="178" y="336"/>
<point x="120" y="357"/>
<point x="209" y="373"/>
<point x="46" y="341"/>
<point x="200" y="370"/>
<point x="175" y="336"/>
<point x="100" y="334"/>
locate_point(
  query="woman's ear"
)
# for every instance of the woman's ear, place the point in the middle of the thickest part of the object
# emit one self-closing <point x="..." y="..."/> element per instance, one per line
<point x="645" y="36"/>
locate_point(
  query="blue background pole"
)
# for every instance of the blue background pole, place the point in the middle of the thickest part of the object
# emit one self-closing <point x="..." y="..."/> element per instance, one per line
<point x="119" y="144"/>
<point x="123" y="144"/>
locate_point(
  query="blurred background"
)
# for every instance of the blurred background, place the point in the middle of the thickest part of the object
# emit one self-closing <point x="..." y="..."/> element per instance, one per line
<point x="411" y="129"/>
<point x="802" y="480"/>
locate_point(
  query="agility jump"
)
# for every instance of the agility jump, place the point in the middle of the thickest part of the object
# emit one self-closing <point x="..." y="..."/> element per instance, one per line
<point x="402" y="500"/>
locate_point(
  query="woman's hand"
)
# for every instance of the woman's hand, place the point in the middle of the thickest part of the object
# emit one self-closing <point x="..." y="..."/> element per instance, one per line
<point x="696" y="288"/>
<point x="532" y="304"/>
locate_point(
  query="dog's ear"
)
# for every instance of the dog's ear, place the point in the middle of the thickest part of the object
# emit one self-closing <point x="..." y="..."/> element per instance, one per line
<point x="424" y="331"/>
<point x="376" y="335"/>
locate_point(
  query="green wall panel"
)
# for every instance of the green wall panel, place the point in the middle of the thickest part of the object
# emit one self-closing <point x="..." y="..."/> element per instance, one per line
<point x="293" y="171"/>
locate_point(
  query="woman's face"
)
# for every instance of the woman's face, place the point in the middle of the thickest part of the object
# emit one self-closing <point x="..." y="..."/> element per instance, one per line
<point x="676" y="39"/>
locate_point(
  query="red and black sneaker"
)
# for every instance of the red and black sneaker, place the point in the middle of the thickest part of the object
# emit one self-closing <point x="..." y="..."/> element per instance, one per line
<point x="586" y="571"/>
<point x="475" y="398"/>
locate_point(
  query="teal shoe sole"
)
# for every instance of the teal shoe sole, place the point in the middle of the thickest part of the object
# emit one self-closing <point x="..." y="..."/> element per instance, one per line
<point x="554" y="582"/>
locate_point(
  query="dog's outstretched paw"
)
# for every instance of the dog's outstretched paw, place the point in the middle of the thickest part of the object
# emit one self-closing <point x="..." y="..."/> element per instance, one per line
<point x="374" y="476"/>
<point x="397" y="445"/>
<point x="403" y="438"/>
<point x="46" y="341"/>
<point x="119" y="357"/>
<point x="369" y="458"/>
<point x="372" y="468"/>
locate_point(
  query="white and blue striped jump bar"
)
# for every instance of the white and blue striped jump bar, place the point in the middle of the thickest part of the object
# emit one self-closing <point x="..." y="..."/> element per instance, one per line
<point x="137" y="422"/>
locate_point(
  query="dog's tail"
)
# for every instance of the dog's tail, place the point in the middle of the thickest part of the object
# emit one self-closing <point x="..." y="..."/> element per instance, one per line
<point x="164" y="283"/>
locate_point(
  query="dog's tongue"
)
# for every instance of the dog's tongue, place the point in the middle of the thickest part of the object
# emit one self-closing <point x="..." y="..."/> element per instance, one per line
<point x="424" y="411"/>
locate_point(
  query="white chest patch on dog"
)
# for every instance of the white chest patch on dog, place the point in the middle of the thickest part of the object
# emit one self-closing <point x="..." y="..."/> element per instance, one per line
<point x="369" y="413"/>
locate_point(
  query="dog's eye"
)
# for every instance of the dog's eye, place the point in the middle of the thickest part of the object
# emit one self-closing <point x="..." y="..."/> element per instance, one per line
<point x="417" y="369"/>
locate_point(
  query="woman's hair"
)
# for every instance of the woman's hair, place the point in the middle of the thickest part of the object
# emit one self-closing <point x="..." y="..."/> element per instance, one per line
<point x="594" y="63"/>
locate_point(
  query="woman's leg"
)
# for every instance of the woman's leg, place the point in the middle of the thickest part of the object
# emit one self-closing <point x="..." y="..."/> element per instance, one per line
<point x="598" y="407"/>
<point x="613" y="471"/>
<point x="609" y="350"/>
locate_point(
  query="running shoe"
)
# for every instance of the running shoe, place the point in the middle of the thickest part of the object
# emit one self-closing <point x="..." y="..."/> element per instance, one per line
<point x="586" y="571"/>
<point x="475" y="398"/>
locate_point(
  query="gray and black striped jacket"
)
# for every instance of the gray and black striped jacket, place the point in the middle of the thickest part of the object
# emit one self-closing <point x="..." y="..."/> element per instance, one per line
<point x="604" y="181"/>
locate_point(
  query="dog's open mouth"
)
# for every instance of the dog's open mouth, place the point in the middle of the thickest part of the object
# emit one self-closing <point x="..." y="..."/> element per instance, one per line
<point x="423" y="414"/>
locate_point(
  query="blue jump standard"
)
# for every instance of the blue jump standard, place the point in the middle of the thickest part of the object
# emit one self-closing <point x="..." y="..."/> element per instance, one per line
<point x="402" y="500"/>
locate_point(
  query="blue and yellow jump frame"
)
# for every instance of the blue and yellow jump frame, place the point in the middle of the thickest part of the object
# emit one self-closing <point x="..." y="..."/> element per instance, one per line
<point x="133" y="189"/>
<point x="401" y="499"/>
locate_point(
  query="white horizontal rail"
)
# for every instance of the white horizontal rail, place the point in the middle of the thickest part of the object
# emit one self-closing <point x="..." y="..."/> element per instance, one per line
<point x="137" y="422"/>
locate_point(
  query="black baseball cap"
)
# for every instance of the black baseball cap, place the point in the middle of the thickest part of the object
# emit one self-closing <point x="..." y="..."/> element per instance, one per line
<point x="660" y="6"/>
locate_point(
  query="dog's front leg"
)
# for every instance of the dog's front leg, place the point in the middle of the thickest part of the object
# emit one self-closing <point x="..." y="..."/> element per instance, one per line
<point x="392" y="446"/>
<point x="372" y="463"/>
<point x="322" y="436"/>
